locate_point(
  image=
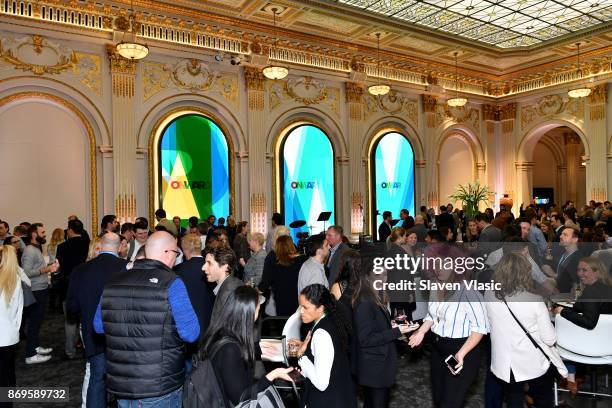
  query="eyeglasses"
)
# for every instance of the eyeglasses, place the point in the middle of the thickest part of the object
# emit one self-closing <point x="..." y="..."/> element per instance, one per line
<point x="177" y="253"/>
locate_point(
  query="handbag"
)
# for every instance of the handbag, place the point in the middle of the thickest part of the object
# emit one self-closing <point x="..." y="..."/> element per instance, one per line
<point x="268" y="398"/>
<point x="28" y="296"/>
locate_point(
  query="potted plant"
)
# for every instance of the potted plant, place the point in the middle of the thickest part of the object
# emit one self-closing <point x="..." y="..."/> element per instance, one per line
<point x="471" y="195"/>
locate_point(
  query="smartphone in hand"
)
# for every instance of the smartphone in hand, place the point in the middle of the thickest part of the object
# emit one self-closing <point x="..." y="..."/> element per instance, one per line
<point x="451" y="363"/>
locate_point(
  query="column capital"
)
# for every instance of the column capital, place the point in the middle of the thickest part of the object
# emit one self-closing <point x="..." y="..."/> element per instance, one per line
<point x="420" y="163"/>
<point x="507" y="112"/>
<point x="254" y="78"/>
<point x="527" y="166"/>
<point x="599" y="95"/>
<point x="354" y="92"/>
<point x="429" y="103"/>
<point x="490" y="112"/>
<point x="481" y="166"/>
<point x="118" y="64"/>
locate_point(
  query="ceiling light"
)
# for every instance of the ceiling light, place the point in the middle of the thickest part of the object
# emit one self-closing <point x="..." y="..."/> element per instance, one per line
<point x="457" y="101"/>
<point x="131" y="49"/>
<point x="581" y="91"/>
<point x="378" y="89"/>
<point x="275" y="71"/>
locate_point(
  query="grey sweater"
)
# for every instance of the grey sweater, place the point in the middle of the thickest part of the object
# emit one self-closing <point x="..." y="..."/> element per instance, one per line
<point x="32" y="262"/>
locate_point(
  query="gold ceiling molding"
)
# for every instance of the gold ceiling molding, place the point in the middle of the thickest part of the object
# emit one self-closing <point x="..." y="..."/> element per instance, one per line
<point x="195" y="28"/>
<point x="552" y="106"/>
<point x="91" y="137"/>
<point x="37" y="55"/>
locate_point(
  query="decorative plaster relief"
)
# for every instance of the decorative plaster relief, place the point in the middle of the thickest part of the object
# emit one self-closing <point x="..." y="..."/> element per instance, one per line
<point x="550" y="106"/>
<point x="40" y="56"/>
<point x="189" y="74"/>
<point x="305" y="91"/>
<point x="393" y="103"/>
<point x="464" y="114"/>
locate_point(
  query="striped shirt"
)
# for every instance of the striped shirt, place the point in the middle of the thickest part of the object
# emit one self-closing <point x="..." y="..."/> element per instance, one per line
<point x="458" y="317"/>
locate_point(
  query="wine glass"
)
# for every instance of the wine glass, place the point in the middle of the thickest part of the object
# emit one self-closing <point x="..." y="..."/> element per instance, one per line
<point x="399" y="316"/>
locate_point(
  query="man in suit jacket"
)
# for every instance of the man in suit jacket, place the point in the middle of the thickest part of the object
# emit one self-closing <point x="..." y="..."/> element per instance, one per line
<point x="566" y="267"/>
<point x="70" y="254"/>
<point x="384" y="229"/>
<point x="407" y="220"/>
<point x="86" y="285"/>
<point x="218" y="267"/>
<point x="419" y="228"/>
<point x="489" y="234"/>
<point x="199" y="290"/>
<point x="445" y="219"/>
<point x="337" y="248"/>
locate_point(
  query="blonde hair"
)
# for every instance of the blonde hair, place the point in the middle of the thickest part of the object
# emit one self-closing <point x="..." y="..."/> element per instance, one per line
<point x="596" y="265"/>
<point x="191" y="243"/>
<point x="257" y="237"/>
<point x="280" y="231"/>
<point x="94" y="248"/>
<point x="9" y="272"/>
<point x="396" y="233"/>
<point x="513" y="274"/>
<point x="56" y="238"/>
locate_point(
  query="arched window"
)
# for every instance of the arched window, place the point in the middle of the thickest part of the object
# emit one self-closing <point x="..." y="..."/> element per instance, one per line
<point x="307" y="178"/>
<point x="194" y="172"/>
<point x="393" y="177"/>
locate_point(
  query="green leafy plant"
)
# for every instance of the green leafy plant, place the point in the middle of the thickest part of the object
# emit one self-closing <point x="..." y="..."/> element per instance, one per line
<point x="471" y="195"/>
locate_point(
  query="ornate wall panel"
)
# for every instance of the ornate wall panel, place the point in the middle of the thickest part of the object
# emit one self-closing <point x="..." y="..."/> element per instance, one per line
<point x="303" y="91"/>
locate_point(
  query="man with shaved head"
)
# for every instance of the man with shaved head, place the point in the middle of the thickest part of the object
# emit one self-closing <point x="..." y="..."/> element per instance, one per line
<point x="84" y="290"/>
<point x="146" y="317"/>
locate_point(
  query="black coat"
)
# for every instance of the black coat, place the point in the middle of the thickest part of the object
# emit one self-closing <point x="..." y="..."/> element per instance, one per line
<point x="596" y="299"/>
<point x="445" y="219"/>
<point x="376" y="354"/>
<point x="566" y="269"/>
<point x="70" y="254"/>
<point x="384" y="230"/>
<point x="200" y="291"/>
<point x="86" y="285"/>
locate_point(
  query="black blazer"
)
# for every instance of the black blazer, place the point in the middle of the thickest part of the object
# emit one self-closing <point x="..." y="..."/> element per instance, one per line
<point x="384" y="230"/>
<point x="567" y="271"/>
<point x="229" y="284"/>
<point x="86" y="285"/>
<point x="70" y="254"/>
<point x="445" y="219"/>
<point x="596" y="299"/>
<point x="375" y="345"/>
<point x="200" y="291"/>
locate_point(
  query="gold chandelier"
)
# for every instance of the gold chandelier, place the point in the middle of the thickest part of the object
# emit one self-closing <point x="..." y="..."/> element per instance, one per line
<point x="580" y="92"/>
<point x="378" y="89"/>
<point x="131" y="49"/>
<point x="457" y="101"/>
<point x="275" y="71"/>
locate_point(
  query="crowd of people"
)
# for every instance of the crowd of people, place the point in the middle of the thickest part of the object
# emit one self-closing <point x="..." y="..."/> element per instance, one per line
<point x="150" y="301"/>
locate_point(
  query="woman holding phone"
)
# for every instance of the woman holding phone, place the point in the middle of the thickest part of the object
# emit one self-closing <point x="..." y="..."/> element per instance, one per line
<point x="458" y="321"/>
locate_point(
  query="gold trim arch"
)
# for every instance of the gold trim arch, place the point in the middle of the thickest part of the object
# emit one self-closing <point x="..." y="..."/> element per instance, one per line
<point x="155" y="138"/>
<point x="63" y="103"/>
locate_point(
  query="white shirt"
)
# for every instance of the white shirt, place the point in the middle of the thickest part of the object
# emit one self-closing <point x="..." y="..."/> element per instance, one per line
<point x="319" y="371"/>
<point x="511" y="349"/>
<point x="458" y="317"/>
<point x="137" y="246"/>
<point x="10" y="316"/>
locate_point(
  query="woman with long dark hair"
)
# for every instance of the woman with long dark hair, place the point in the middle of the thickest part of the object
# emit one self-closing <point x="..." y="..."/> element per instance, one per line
<point x="323" y="355"/>
<point x="234" y="357"/>
<point x="374" y="337"/>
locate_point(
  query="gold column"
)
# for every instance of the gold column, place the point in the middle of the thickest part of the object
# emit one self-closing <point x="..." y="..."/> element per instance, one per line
<point x="572" y="152"/>
<point x="123" y="83"/>
<point x="524" y="172"/>
<point x="255" y="85"/>
<point x="354" y="100"/>
<point x="490" y="114"/>
<point x="430" y="103"/>
<point x="507" y="117"/>
<point x="597" y="167"/>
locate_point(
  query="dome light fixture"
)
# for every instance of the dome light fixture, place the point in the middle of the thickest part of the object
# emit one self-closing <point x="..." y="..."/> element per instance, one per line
<point x="378" y="89"/>
<point x="273" y="71"/>
<point x="581" y="91"/>
<point x="457" y="101"/>
<point x="130" y="48"/>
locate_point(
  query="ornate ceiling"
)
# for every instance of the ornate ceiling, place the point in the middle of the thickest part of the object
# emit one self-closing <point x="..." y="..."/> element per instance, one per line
<point x="498" y="23"/>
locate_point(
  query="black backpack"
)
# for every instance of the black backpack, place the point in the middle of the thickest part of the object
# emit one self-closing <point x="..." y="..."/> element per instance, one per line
<point x="202" y="388"/>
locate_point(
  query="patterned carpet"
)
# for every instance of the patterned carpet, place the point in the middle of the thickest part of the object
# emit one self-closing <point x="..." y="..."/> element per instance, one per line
<point x="412" y="389"/>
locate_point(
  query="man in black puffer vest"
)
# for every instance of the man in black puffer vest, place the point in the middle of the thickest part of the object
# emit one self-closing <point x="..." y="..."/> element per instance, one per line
<point x="146" y="317"/>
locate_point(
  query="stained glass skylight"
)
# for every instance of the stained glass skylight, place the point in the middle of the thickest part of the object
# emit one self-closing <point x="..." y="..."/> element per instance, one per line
<point x="501" y="23"/>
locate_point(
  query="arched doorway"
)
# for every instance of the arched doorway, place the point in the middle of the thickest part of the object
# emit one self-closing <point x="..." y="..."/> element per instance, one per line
<point x="306" y="177"/>
<point x="193" y="168"/>
<point x="47" y="163"/>
<point x="392" y="177"/>
<point x="456" y="166"/>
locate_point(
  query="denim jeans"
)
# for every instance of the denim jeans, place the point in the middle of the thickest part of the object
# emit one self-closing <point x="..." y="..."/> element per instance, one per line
<point x="96" y="390"/>
<point x="37" y="316"/>
<point x="171" y="400"/>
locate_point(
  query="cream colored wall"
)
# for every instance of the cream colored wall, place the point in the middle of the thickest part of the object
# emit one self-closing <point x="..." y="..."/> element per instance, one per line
<point x="544" y="169"/>
<point x="456" y="166"/>
<point x="44" y="166"/>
